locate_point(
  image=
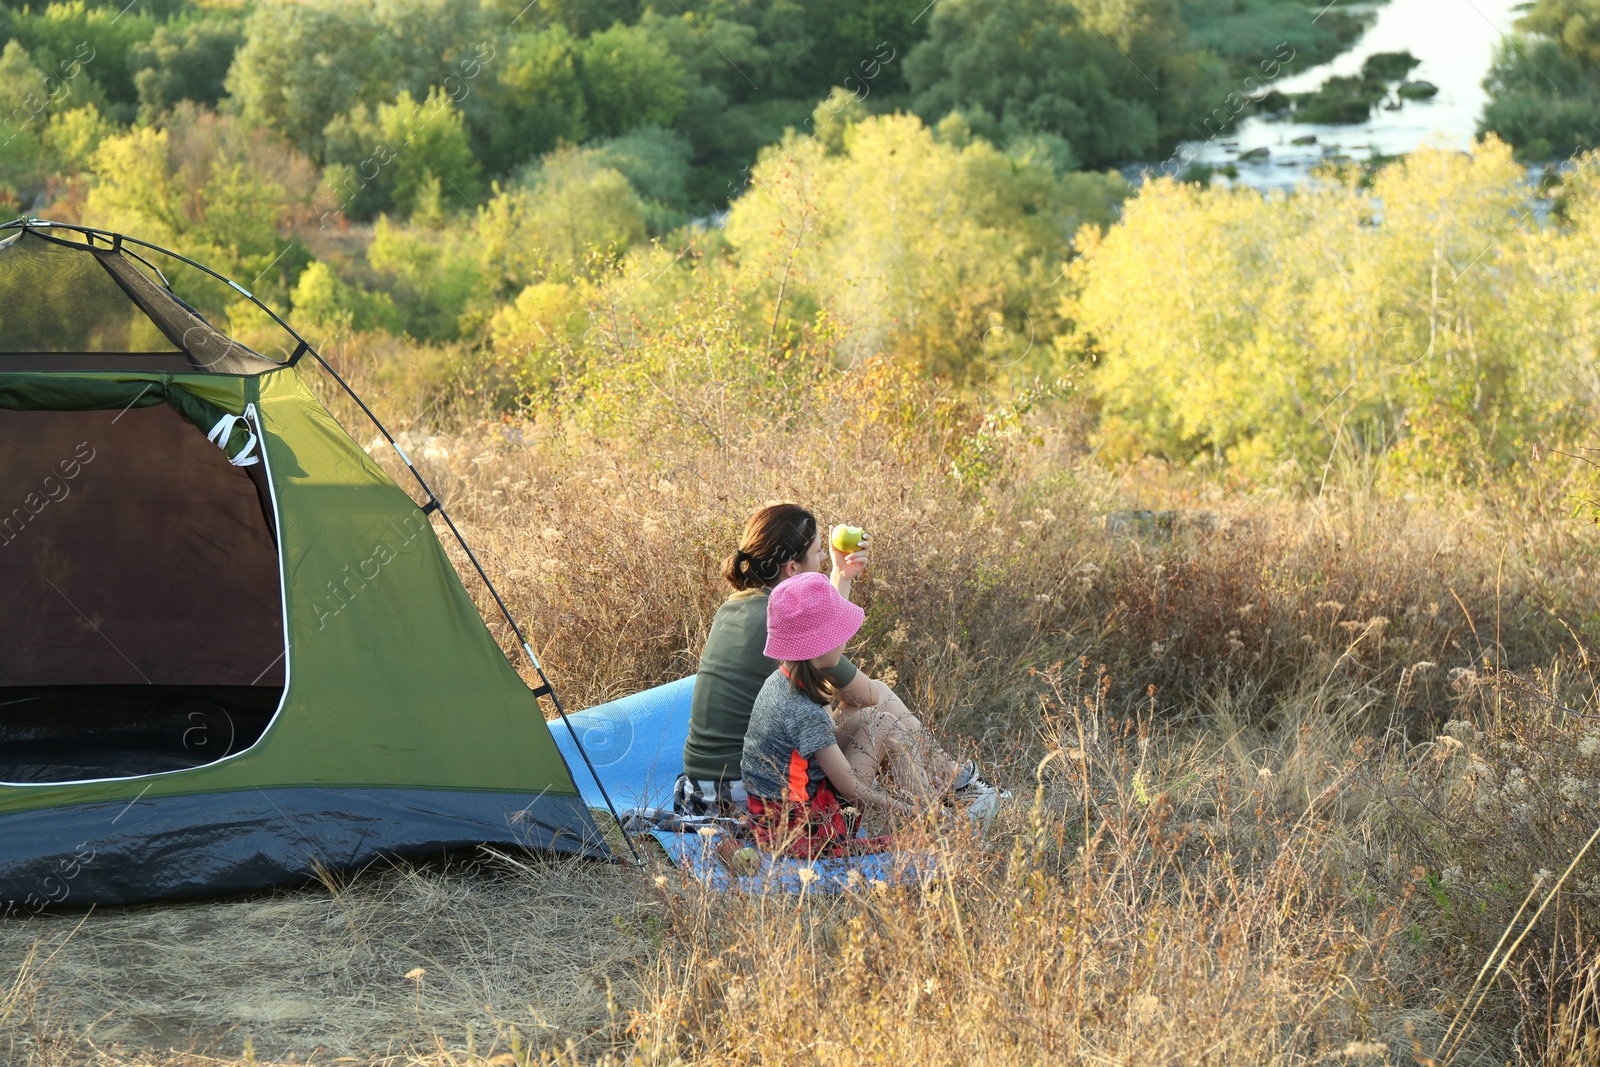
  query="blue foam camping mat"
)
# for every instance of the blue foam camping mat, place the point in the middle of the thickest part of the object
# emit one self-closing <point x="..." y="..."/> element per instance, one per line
<point x="636" y="746"/>
<point x="695" y="853"/>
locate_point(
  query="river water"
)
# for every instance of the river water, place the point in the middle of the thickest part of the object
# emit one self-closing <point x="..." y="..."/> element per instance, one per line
<point x="1454" y="39"/>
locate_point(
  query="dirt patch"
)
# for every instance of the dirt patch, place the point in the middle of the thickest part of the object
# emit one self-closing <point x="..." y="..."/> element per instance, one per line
<point x="387" y="964"/>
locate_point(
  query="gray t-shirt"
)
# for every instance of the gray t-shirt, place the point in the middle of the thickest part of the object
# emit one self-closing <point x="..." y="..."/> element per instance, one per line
<point x="733" y="668"/>
<point x="787" y="730"/>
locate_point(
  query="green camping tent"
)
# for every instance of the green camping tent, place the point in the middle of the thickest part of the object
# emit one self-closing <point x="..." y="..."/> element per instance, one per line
<point x="232" y="649"/>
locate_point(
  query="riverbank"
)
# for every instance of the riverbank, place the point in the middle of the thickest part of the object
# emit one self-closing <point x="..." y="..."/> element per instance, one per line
<point x="1265" y="153"/>
<point x="1245" y="32"/>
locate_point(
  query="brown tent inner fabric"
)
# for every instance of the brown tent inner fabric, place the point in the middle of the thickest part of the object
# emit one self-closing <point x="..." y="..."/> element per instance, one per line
<point x="132" y="553"/>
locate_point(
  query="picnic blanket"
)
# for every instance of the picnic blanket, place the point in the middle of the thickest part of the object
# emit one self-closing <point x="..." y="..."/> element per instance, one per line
<point x="636" y="746"/>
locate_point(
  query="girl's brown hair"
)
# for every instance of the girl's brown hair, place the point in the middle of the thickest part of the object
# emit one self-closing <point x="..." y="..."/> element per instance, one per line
<point x="775" y="535"/>
<point x="805" y="677"/>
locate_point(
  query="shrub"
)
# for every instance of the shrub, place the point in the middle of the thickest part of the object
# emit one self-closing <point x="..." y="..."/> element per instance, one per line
<point x="188" y="62"/>
<point x="204" y="184"/>
<point x="864" y="232"/>
<point x="325" y="302"/>
<point x="629" y="78"/>
<point x="382" y="160"/>
<point x="73" y="136"/>
<point x="539" y="95"/>
<point x="1448" y="340"/>
<point x="434" y="277"/>
<point x="575" y="215"/>
<point x="366" y="54"/>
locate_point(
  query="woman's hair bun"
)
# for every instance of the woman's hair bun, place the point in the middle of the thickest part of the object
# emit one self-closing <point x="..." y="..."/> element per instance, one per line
<point x="774" y="536"/>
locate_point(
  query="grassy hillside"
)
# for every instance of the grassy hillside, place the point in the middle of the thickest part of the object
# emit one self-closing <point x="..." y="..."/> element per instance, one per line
<point x="1286" y="770"/>
<point x="1247" y="538"/>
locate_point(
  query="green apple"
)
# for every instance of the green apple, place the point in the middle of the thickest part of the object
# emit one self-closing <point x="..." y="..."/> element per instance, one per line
<point x="848" y="539"/>
<point x="745" y="861"/>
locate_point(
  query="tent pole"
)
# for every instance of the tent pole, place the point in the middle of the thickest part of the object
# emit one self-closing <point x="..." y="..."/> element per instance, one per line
<point x="434" y="504"/>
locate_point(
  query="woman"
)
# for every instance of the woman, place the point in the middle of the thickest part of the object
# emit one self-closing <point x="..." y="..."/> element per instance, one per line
<point x="780" y="541"/>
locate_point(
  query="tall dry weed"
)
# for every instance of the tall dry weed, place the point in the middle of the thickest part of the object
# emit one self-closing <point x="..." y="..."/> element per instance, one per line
<point x="1154" y="901"/>
<point x="611" y="558"/>
<point x="1307" y="759"/>
<point x="1328" y="746"/>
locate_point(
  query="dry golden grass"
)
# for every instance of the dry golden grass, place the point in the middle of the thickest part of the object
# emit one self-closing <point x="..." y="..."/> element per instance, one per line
<point x="1130" y="937"/>
<point x="1220" y="893"/>
<point x="319" y="973"/>
<point x="1285" y="771"/>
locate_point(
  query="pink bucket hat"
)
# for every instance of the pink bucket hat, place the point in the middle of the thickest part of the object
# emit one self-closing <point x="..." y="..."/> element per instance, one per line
<point x="806" y="617"/>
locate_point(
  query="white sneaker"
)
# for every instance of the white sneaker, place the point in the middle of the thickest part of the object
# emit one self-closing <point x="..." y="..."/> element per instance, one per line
<point x="983" y="808"/>
<point x="976" y="785"/>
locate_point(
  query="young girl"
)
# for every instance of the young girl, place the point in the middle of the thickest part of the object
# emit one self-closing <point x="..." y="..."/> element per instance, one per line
<point x="794" y="770"/>
<point x="873" y="726"/>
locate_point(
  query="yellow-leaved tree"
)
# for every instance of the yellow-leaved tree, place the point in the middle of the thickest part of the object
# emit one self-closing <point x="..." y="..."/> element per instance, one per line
<point x="939" y="250"/>
<point x="1431" y="318"/>
<point x="220" y="194"/>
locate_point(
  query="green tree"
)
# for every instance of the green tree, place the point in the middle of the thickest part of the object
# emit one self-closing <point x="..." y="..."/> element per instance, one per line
<point x="381" y="159"/>
<point x="304" y="64"/>
<point x="655" y="162"/>
<point x="571" y="220"/>
<point x="1542" y="98"/>
<point x="213" y="188"/>
<point x="630" y="78"/>
<point x="1574" y="24"/>
<point x="187" y="62"/>
<point x="832" y="119"/>
<point x="867" y="234"/>
<point x="324" y="301"/>
<point x="538" y="97"/>
<point x="1114" y="78"/>
<point x="671" y="356"/>
<point x="31" y="99"/>
<point x="802" y="48"/>
<point x="722" y="57"/>
<point x="578" y="17"/>
<point x="73" y="136"/>
<point x="301" y="66"/>
<point x="731" y="109"/>
<point x="571" y="223"/>
<point x="71" y="35"/>
<point x="223" y="207"/>
<point x="1544" y="84"/>
<point x="539" y="331"/>
<point x="1448" y="334"/>
<point x="858" y="43"/>
<point x="433" y="276"/>
<point x="25" y="103"/>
